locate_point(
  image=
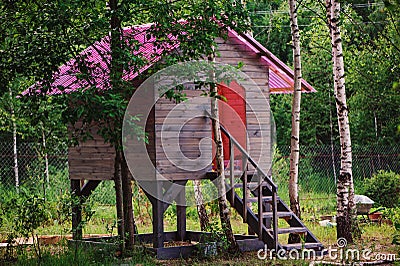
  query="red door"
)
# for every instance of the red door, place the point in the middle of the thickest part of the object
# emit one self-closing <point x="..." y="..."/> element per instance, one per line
<point x="232" y="115"/>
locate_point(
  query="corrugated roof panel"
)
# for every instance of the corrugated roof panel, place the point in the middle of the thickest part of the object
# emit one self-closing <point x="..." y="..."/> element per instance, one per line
<point x="97" y="58"/>
<point x="275" y="82"/>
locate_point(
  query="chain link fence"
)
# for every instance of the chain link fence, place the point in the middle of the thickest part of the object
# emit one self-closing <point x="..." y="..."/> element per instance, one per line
<point x="35" y="167"/>
<point x="44" y="171"/>
<point x="318" y="169"/>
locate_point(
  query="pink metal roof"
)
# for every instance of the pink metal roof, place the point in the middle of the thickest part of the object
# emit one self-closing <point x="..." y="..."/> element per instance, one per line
<point x="97" y="58"/>
<point x="280" y="75"/>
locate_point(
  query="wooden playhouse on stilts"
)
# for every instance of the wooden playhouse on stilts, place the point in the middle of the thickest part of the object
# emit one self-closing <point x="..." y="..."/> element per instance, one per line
<point x="246" y="130"/>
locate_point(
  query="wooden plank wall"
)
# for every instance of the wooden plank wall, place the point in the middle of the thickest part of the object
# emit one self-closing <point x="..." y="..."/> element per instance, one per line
<point x="231" y="52"/>
<point x="92" y="159"/>
<point x="188" y="131"/>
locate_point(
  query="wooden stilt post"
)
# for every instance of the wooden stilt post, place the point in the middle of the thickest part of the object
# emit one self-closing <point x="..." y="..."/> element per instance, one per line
<point x="158" y="216"/>
<point x="76" y="210"/>
<point x="181" y="215"/>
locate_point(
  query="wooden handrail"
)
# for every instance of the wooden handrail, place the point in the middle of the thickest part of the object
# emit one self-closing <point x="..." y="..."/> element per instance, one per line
<point x="244" y="152"/>
<point x="246" y="157"/>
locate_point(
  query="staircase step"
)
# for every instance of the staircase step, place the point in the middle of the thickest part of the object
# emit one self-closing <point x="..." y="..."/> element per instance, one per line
<point x="252" y="176"/>
<point x="280" y="214"/>
<point x="250" y="185"/>
<point x="236" y="173"/>
<point x="250" y="244"/>
<point x="291" y="230"/>
<point x="267" y="199"/>
<point x="303" y="246"/>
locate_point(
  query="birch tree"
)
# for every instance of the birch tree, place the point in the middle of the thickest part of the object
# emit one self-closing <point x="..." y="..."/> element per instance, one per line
<point x="14" y="136"/>
<point x="201" y="208"/>
<point x="295" y="134"/>
<point x="346" y="212"/>
<point x="224" y="211"/>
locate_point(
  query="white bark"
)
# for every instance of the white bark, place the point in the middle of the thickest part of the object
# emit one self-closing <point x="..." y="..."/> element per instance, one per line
<point x="224" y="210"/>
<point x="345" y="188"/>
<point x="46" y="159"/>
<point x="201" y="210"/>
<point x="295" y="134"/>
<point x="332" y="146"/>
<point x="14" y="133"/>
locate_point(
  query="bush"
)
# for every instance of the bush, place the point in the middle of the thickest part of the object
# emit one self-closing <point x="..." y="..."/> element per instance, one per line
<point x="22" y="214"/>
<point x="394" y="215"/>
<point x="384" y="189"/>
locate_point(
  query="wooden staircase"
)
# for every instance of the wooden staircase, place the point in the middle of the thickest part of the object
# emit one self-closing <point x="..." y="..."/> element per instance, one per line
<point x="254" y="196"/>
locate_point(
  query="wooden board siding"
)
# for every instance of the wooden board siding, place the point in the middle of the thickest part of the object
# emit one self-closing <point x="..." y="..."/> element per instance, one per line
<point x="150" y="131"/>
<point x="231" y="52"/>
<point x="92" y="159"/>
<point x="182" y="134"/>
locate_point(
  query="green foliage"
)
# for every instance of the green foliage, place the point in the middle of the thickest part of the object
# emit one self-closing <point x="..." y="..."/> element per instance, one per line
<point x="25" y="213"/>
<point x="280" y="174"/>
<point x="30" y="209"/>
<point x="384" y="188"/>
<point x="83" y="257"/>
<point x="371" y="52"/>
<point x="394" y="215"/>
<point x="217" y="234"/>
<point x="104" y="194"/>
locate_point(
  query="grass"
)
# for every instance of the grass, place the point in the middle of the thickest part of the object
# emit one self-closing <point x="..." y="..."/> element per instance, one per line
<point x="62" y="255"/>
<point x="92" y="257"/>
<point x="376" y="237"/>
<point x="104" y="220"/>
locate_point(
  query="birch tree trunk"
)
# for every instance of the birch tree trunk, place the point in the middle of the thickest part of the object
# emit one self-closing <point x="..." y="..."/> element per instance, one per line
<point x="224" y="211"/>
<point x="295" y="134"/>
<point x="46" y="158"/>
<point x="14" y="133"/>
<point x="346" y="212"/>
<point x="201" y="208"/>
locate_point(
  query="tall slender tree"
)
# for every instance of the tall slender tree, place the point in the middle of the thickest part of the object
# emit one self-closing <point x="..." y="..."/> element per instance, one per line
<point x="346" y="212"/>
<point x="295" y="134"/>
<point x="43" y="35"/>
<point x="224" y="211"/>
<point x="122" y="176"/>
<point x="201" y="208"/>
<point x="14" y="136"/>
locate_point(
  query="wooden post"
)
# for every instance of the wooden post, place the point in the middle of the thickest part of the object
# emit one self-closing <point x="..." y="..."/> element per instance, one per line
<point x="76" y="210"/>
<point x="181" y="215"/>
<point x="158" y="216"/>
<point x="231" y="170"/>
<point x="260" y="207"/>
<point x="275" y="218"/>
<point x="245" y="188"/>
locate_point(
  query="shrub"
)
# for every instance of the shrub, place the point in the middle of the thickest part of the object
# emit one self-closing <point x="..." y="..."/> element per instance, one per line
<point x="22" y="214"/>
<point x="384" y="188"/>
<point x="394" y="215"/>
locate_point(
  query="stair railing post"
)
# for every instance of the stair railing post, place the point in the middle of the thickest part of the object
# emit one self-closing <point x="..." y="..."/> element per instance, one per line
<point x="231" y="170"/>
<point x="260" y="205"/>
<point x="275" y="217"/>
<point x="244" y="171"/>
